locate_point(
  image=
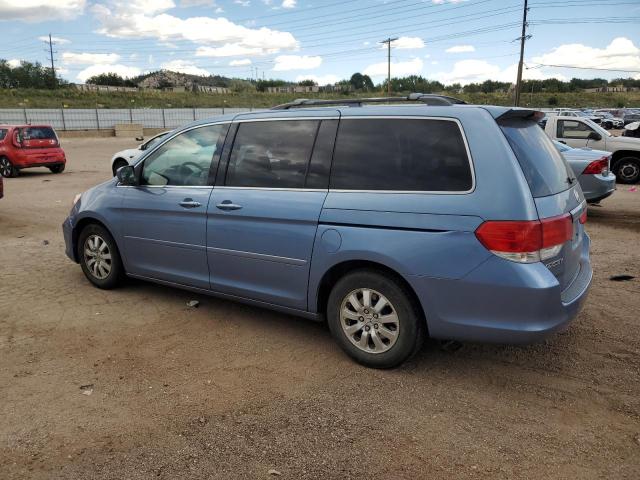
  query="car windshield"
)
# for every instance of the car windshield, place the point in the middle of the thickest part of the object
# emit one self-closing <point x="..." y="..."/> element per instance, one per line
<point x="562" y="147"/>
<point x="597" y="128"/>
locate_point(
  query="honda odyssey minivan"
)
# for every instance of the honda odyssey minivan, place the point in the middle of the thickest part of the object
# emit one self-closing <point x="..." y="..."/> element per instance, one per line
<point x="421" y="216"/>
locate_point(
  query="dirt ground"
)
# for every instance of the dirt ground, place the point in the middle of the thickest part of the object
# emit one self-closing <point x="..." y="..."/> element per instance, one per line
<point x="228" y="391"/>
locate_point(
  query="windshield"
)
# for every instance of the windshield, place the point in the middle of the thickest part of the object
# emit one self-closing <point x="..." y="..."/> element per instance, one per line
<point x="597" y="128"/>
<point x="561" y="146"/>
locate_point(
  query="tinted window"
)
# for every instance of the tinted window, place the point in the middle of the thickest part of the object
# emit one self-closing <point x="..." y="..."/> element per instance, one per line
<point x="185" y="160"/>
<point x="411" y="155"/>
<point x="271" y="154"/>
<point x="573" y="129"/>
<point x="544" y="167"/>
<point x="38" y="133"/>
<point x="320" y="166"/>
<point x="3" y="133"/>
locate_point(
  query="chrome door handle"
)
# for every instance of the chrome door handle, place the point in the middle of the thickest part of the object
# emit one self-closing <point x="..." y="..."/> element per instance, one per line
<point x="228" y="205"/>
<point x="189" y="203"/>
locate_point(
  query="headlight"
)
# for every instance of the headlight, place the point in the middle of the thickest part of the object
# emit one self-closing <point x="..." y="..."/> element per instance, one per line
<point x="76" y="199"/>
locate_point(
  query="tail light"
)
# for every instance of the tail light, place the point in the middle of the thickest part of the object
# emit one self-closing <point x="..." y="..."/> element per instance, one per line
<point x="583" y="217"/>
<point x="598" y="167"/>
<point x="526" y="241"/>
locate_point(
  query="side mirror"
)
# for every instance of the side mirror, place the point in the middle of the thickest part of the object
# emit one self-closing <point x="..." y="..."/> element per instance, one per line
<point x="126" y="175"/>
<point x="594" y="136"/>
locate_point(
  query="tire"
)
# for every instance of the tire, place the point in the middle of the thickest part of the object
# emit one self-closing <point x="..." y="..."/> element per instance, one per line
<point x="392" y="350"/>
<point x="119" y="162"/>
<point x="627" y="170"/>
<point x="57" y="168"/>
<point x="7" y="169"/>
<point x="92" y="238"/>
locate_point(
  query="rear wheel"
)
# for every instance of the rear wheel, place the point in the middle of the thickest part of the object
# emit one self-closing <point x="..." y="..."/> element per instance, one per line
<point x="99" y="257"/>
<point x="7" y="169"/>
<point x="57" y="168"/>
<point x="120" y="162"/>
<point x="628" y="170"/>
<point x="373" y="319"/>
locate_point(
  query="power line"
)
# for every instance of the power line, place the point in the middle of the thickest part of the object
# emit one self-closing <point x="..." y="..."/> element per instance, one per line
<point x="538" y="65"/>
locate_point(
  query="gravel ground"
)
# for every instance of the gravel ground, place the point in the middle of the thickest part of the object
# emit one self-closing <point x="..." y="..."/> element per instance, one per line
<point x="229" y="391"/>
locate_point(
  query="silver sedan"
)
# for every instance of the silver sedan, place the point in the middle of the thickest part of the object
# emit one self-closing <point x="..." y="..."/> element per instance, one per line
<point x="592" y="167"/>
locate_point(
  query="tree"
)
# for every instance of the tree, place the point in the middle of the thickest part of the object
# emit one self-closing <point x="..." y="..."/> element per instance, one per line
<point x="307" y="83"/>
<point x="27" y="75"/>
<point x="110" y="79"/>
<point x="359" y="81"/>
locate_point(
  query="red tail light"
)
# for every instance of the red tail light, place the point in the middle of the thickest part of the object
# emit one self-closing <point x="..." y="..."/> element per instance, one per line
<point x="597" y="167"/>
<point x="526" y="241"/>
<point x="583" y="217"/>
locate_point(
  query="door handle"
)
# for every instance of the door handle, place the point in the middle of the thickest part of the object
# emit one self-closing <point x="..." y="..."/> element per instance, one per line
<point x="228" y="205"/>
<point x="190" y="203"/>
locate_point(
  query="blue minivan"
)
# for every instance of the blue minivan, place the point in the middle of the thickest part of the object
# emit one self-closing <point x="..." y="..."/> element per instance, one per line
<point x="420" y="216"/>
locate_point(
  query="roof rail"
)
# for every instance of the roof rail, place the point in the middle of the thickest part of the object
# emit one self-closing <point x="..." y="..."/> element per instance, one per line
<point x="425" y="98"/>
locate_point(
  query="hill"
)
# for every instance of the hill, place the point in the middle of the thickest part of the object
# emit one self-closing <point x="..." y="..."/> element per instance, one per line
<point x="168" y="78"/>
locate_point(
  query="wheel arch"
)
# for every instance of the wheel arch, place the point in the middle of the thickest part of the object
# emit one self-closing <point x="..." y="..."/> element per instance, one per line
<point x="81" y="225"/>
<point x="620" y="154"/>
<point x="339" y="270"/>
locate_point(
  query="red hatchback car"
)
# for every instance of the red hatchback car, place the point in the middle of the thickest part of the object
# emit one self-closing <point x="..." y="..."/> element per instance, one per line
<point x="26" y="146"/>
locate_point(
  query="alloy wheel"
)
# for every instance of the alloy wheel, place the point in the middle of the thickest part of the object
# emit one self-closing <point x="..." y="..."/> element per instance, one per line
<point x="369" y="320"/>
<point x="6" y="169"/>
<point x="629" y="171"/>
<point x="97" y="257"/>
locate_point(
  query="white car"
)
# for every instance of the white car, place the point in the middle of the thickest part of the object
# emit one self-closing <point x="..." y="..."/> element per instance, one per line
<point x="130" y="155"/>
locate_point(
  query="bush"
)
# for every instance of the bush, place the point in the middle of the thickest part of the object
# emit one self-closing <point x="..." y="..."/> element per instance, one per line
<point x="552" y="101"/>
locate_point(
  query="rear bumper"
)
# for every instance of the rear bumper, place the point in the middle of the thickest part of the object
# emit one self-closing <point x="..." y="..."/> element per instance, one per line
<point x="597" y="187"/>
<point x="39" y="159"/>
<point x="503" y="302"/>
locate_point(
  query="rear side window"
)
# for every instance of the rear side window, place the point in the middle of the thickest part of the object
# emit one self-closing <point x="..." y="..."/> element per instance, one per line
<point x="3" y="133"/>
<point x="545" y="169"/>
<point x="38" y="133"/>
<point x="273" y="154"/>
<point x="401" y="155"/>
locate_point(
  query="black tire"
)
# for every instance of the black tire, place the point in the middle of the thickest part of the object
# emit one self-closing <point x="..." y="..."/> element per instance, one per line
<point x="120" y="162"/>
<point x="57" y="168"/>
<point x="627" y="170"/>
<point x="7" y="169"/>
<point x="91" y="271"/>
<point x="410" y="328"/>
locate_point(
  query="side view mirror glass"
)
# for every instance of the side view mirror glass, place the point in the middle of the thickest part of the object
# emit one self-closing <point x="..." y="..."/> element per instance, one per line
<point x="126" y="175"/>
<point x="595" y="136"/>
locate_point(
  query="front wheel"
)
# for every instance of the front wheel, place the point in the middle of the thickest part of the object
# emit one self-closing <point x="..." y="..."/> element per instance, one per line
<point x="7" y="169"/>
<point x="99" y="257"/>
<point x="373" y="319"/>
<point x="57" y="168"/>
<point x="627" y="170"/>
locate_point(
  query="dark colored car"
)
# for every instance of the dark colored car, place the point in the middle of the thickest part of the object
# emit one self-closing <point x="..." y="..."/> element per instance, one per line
<point x="27" y="146"/>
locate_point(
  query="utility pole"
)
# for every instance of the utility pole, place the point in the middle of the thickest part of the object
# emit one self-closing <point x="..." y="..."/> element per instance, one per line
<point x="523" y="39"/>
<point x="53" y="69"/>
<point x="388" y="42"/>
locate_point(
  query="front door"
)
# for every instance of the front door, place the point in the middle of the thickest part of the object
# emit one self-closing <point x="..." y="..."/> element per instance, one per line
<point x="165" y="215"/>
<point x="264" y="210"/>
<point x="575" y="133"/>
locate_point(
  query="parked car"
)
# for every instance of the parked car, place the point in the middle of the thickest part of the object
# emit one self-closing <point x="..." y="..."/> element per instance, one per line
<point x="631" y="115"/>
<point x="608" y="121"/>
<point x="579" y="113"/>
<point x="592" y="169"/>
<point x="131" y="155"/>
<point x="389" y="221"/>
<point x="27" y="146"/>
<point x="581" y="132"/>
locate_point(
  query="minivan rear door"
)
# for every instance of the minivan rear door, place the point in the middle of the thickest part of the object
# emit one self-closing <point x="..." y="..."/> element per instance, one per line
<point x="555" y="189"/>
<point x="264" y="210"/>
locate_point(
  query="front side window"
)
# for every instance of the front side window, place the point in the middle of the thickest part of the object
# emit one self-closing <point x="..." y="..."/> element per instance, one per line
<point x="185" y="160"/>
<point x="3" y="133"/>
<point x="401" y="155"/>
<point x="272" y="154"/>
<point x="573" y="129"/>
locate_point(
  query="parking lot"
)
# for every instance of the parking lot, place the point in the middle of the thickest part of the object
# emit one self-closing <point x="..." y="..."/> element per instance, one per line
<point x="231" y="391"/>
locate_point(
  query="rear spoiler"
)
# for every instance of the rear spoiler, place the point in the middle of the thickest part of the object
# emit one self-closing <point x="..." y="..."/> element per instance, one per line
<point x="521" y="113"/>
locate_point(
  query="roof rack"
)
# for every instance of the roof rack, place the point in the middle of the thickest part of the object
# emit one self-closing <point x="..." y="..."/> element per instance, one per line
<point x="428" y="99"/>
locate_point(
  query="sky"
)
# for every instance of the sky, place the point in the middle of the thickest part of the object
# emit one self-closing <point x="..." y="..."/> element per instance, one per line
<point x="453" y="41"/>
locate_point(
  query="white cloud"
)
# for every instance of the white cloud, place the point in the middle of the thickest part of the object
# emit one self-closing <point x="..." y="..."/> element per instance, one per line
<point x="14" y="62"/>
<point x="40" y="10"/>
<point x="71" y="58"/>
<point x="239" y="63"/>
<point x="407" y="43"/>
<point x="242" y="3"/>
<point x="328" y="79"/>
<point x="231" y="50"/>
<point x="296" y="62"/>
<point x="122" y="70"/>
<point x="138" y="19"/>
<point x="461" y="49"/>
<point x="477" y="71"/>
<point x="398" y="69"/>
<point x="621" y="53"/>
<point x="58" y="40"/>
<point x="288" y="3"/>
<point x="184" y="67"/>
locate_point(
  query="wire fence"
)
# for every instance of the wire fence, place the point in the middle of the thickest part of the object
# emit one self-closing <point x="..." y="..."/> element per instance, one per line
<point x="97" y="119"/>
